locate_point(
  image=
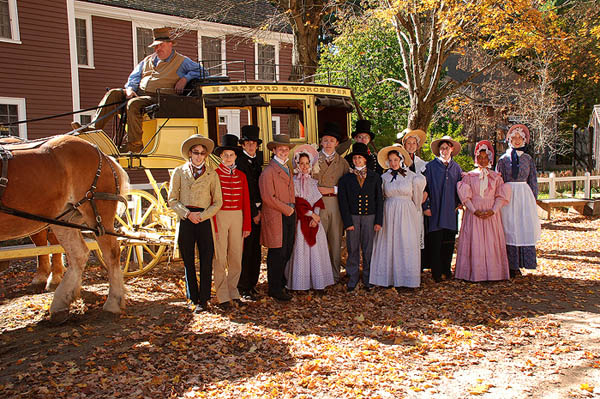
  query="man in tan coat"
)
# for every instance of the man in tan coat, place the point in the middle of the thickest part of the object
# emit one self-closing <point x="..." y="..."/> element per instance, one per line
<point x="277" y="217"/>
<point x="331" y="168"/>
<point x="165" y="70"/>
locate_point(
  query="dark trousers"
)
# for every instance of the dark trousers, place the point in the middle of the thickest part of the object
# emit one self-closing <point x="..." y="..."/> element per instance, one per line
<point x="190" y="236"/>
<point x="277" y="258"/>
<point x="440" y="246"/>
<point x="360" y="238"/>
<point x="250" y="260"/>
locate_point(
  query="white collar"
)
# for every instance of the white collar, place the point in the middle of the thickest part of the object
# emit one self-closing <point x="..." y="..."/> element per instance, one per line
<point x="249" y="156"/>
<point x="328" y="155"/>
<point x="361" y="168"/>
<point x="281" y="161"/>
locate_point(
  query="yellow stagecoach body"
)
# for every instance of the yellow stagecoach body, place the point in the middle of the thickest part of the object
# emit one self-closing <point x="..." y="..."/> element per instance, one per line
<point x="297" y="109"/>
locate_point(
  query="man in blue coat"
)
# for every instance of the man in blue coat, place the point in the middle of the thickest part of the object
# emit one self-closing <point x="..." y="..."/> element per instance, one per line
<point x="441" y="206"/>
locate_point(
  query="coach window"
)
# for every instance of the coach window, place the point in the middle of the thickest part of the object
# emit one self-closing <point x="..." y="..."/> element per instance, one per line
<point x="12" y="110"/>
<point x="288" y="117"/>
<point x="9" y="22"/>
<point x="83" y="38"/>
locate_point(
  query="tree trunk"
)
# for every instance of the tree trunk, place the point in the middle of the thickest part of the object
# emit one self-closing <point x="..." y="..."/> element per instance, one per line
<point x="420" y="116"/>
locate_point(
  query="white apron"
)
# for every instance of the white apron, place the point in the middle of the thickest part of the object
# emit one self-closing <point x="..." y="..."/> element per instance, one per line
<point x="520" y="219"/>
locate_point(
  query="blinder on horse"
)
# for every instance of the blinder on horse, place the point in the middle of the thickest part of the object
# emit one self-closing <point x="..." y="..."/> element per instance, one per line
<point x="91" y="195"/>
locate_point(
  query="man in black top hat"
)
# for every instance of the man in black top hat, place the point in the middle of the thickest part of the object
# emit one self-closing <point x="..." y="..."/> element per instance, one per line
<point x="360" y="199"/>
<point x="250" y="162"/>
<point x="363" y="134"/>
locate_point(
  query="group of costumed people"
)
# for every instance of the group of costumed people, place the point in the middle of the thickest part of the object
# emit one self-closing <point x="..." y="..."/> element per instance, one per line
<point x="398" y="213"/>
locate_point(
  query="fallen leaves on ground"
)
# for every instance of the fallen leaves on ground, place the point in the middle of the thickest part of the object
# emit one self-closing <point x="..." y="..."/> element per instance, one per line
<point x="529" y="337"/>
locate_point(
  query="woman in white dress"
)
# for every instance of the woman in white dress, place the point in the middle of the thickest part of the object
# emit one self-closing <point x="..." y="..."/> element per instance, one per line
<point x="396" y="259"/>
<point x="310" y="265"/>
<point x="412" y="141"/>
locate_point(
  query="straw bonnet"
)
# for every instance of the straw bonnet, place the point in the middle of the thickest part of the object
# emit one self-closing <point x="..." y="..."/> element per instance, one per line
<point x="382" y="155"/>
<point x="161" y="35"/>
<point x="280" y="139"/>
<point x="522" y="130"/>
<point x="420" y="135"/>
<point x="194" y="140"/>
<point x="435" y="145"/>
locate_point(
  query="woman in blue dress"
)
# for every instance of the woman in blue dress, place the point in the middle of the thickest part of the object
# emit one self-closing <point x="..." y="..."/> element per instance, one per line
<point x="521" y="224"/>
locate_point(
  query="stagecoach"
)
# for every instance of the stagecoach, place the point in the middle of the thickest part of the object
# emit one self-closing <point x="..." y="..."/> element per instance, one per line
<point x="211" y="107"/>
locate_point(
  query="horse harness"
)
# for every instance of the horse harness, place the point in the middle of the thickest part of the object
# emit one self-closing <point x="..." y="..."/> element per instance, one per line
<point x="91" y="195"/>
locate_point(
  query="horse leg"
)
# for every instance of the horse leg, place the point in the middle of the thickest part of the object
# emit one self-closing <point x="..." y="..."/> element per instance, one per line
<point x="43" y="261"/>
<point x="68" y="289"/>
<point x="116" y="292"/>
<point x="58" y="268"/>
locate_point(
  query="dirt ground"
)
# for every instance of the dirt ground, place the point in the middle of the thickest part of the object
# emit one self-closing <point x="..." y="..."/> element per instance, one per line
<point x="537" y="336"/>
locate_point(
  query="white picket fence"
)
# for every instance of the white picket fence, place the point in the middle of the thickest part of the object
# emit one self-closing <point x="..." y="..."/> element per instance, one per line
<point x="552" y="180"/>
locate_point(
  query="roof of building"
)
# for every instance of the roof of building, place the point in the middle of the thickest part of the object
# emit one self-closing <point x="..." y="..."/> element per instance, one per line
<point x="245" y="13"/>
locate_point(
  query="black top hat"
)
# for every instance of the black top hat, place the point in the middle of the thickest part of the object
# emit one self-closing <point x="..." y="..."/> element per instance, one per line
<point x="360" y="149"/>
<point x="230" y="142"/>
<point x="250" y="133"/>
<point x="363" y="126"/>
<point x="331" y="129"/>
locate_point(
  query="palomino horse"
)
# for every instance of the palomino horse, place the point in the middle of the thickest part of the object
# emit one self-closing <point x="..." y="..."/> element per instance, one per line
<point x="48" y="180"/>
<point x="46" y="269"/>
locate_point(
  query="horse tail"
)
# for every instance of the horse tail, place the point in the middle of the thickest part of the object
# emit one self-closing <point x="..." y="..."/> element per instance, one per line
<point x="124" y="186"/>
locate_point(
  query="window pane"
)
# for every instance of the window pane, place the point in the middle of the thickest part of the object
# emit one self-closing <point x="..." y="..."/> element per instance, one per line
<point x="5" y="20"/>
<point x="266" y="62"/>
<point x="85" y="119"/>
<point x="144" y="39"/>
<point x="81" y="40"/>
<point x="211" y="55"/>
<point x="9" y="113"/>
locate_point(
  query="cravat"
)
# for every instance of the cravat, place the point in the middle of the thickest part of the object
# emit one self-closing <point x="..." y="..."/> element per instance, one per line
<point x="197" y="172"/>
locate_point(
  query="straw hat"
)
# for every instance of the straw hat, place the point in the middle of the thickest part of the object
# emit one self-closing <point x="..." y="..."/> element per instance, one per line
<point x="280" y="139"/>
<point x="194" y="140"/>
<point x="435" y="145"/>
<point x="420" y="135"/>
<point x="518" y="129"/>
<point x="382" y="155"/>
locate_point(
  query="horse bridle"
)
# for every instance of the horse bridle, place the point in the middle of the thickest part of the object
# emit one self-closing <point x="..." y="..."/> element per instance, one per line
<point x="91" y="195"/>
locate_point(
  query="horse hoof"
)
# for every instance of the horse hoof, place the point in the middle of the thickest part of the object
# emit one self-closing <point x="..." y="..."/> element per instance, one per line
<point x="112" y="307"/>
<point x="59" y="317"/>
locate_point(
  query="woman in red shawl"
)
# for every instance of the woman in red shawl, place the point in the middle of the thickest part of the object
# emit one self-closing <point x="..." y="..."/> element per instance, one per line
<point x="310" y="265"/>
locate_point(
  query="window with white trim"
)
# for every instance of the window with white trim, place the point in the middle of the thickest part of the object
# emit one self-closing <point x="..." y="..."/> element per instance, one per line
<point x="86" y="117"/>
<point x="9" y="22"/>
<point x="211" y="55"/>
<point x="276" y="124"/>
<point x="265" y="61"/>
<point x="12" y="110"/>
<point x="144" y="39"/>
<point x="83" y="40"/>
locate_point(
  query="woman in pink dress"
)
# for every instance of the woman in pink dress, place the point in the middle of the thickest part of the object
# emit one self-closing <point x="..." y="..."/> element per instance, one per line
<point x="481" y="254"/>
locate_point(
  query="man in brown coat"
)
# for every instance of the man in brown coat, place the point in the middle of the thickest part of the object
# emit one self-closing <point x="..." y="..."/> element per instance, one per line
<point x="331" y="168"/>
<point x="277" y="218"/>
